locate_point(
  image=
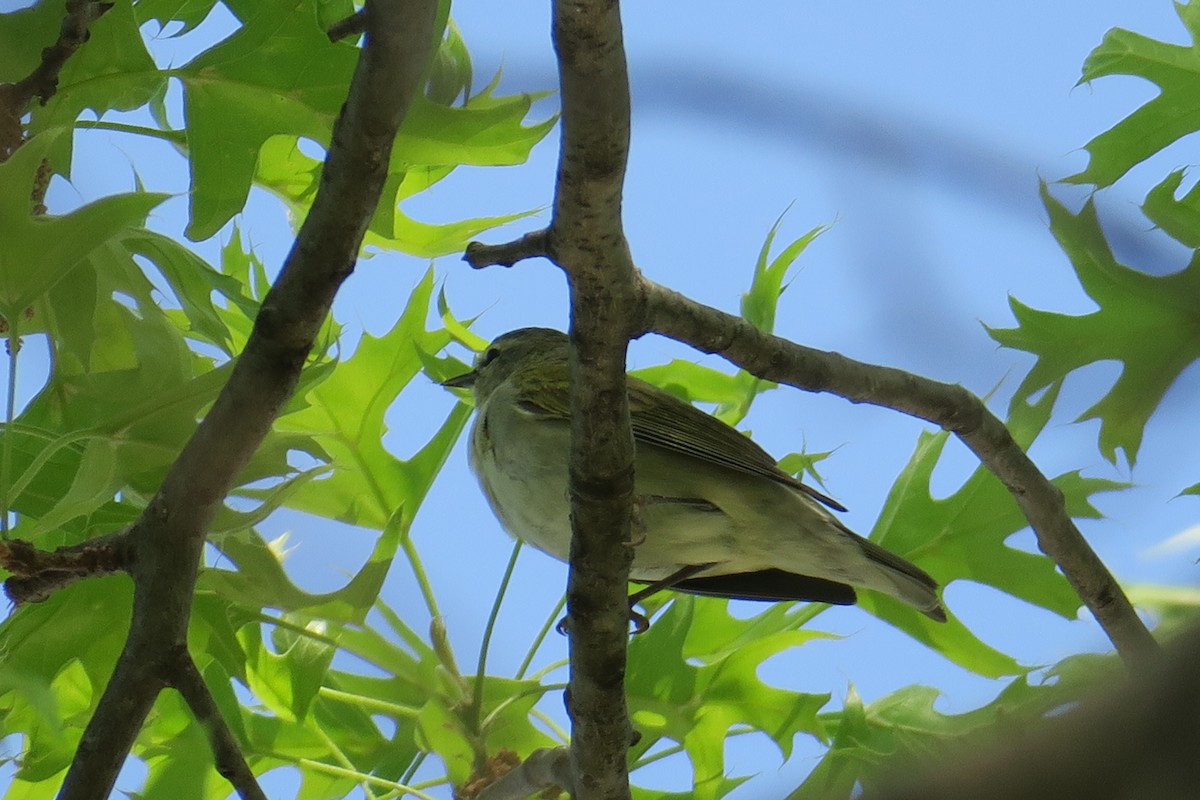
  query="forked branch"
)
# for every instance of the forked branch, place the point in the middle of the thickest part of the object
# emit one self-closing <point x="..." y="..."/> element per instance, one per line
<point x="168" y="540"/>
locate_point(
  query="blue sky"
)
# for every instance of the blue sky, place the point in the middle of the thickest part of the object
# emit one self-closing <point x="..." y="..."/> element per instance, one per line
<point x="918" y="131"/>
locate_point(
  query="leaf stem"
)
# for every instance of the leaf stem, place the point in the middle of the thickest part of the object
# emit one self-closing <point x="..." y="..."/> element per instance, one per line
<point x="10" y="412"/>
<point x="418" y="568"/>
<point x="370" y="704"/>
<point x="537" y="640"/>
<point x="340" y="757"/>
<point x="361" y="777"/>
<point x="481" y="668"/>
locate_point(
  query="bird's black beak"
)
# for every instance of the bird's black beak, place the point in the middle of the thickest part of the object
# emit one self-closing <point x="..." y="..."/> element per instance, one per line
<point x="464" y="381"/>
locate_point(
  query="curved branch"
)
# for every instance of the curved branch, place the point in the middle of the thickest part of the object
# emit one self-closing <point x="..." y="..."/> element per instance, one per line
<point x="948" y="405"/>
<point x="168" y="539"/>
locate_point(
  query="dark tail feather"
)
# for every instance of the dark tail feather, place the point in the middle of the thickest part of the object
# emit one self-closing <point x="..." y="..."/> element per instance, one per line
<point x="771" y="585"/>
<point x="910" y="583"/>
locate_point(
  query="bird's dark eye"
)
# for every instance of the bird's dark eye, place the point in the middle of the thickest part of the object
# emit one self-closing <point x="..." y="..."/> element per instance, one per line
<point x="489" y="356"/>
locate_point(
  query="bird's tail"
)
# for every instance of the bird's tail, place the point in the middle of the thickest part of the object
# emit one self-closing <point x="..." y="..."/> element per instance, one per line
<point x="904" y="580"/>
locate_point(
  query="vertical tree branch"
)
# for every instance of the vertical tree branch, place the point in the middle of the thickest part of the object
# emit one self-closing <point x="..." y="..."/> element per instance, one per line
<point x="586" y="239"/>
<point x="169" y="538"/>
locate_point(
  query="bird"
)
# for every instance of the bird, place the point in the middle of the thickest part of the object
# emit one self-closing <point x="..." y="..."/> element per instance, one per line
<point x="715" y="515"/>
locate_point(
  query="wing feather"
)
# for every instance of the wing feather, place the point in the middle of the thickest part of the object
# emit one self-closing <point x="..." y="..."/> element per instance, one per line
<point x="663" y="420"/>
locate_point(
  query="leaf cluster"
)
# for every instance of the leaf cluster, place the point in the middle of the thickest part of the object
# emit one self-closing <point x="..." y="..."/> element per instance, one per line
<point x="141" y="330"/>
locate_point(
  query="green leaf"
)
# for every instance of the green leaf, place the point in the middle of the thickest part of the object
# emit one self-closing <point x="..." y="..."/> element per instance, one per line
<point x="871" y="741"/>
<point x="450" y="73"/>
<point x="759" y="304"/>
<point x="697" y="383"/>
<point x="190" y="12"/>
<point x="488" y="131"/>
<point x="1147" y="322"/>
<point x="277" y="74"/>
<point x="262" y="581"/>
<point x="194" y="283"/>
<point x="1174" y="113"/>
<point x="280" y="76"/>
<point x="962" y="537"/>
<point x="113" y="72"/>
<point x="93" y="485"/>
<point x="804" y="465"/>
<point x="719" y="788"/>
<point x="697" y="705"/>
<point x="40" y="251"/>
<point x="345" y="416"/>
<point x="178" y="757"/>
<point x="24" y="33"/>
<point x="1175" y="607"/>
<point x="287" y="680"/>
<point x="63" y="648"/>
<point x="734" y="393"/>
<point x="294" y="176"/>
<point x="441" y="732"/>
<point x="1180" y="218"/>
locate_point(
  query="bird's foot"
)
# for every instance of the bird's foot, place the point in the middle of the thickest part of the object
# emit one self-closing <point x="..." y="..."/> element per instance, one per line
<point x="641" y="623"/>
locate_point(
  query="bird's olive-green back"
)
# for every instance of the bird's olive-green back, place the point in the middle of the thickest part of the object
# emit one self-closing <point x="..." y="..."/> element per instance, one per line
<point x="535" y="360"/>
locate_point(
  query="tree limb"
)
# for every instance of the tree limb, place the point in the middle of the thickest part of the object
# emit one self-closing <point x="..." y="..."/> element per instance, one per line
<point x="168" y="539"/>
<point x="42" y="83"/>
<point x="948" y="405"/>
<point x="586" y="239"/>
<point x="353" y="25"/>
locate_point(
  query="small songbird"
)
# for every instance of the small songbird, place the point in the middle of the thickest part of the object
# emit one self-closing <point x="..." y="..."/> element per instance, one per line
<point x="715" y="514"/>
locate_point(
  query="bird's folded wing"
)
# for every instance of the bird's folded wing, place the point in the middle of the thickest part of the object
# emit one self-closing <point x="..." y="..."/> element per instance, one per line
<point x="662" y="419"/>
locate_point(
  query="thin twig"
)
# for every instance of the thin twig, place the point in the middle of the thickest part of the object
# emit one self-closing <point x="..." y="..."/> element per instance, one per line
<point x="38" y="574"/>
<point x="353" y="25"/>
<point x="531" y="245"/>
<point x="227" y="753"/>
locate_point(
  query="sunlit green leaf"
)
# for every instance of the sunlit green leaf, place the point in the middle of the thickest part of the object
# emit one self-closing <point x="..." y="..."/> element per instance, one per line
<point x="963" y="537"/>
<point x="345" y="415"/>
<point x="39" y="251"/>
<point x="696" y="706"/>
